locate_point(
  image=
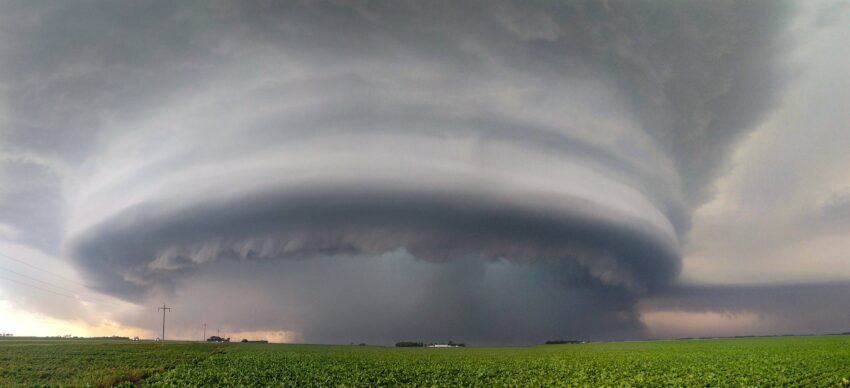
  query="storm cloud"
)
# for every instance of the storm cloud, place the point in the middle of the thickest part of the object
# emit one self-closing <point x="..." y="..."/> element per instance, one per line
<point x="503" y="172"/>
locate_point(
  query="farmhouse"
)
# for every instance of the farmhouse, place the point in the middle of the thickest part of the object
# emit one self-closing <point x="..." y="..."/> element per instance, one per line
<point x="450" y="344"/>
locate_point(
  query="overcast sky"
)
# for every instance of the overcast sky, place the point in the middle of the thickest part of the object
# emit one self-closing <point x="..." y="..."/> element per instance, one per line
<point x="492" y="172"/>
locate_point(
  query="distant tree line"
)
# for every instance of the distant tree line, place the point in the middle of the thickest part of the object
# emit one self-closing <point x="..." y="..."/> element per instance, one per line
<point x="561" y="342"/>
<point x="216" y="338"/>
<point x="246" y="341"/>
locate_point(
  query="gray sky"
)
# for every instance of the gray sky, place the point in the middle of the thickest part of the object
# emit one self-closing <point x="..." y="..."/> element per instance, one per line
<point x="489" y="172"/>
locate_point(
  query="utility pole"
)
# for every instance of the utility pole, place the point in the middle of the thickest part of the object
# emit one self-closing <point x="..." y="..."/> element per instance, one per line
<point x="205" y="333"/>
<point x="164" y="309"/>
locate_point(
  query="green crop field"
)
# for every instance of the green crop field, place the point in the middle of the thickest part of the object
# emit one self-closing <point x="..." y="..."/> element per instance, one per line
<point x="779" y="361"/>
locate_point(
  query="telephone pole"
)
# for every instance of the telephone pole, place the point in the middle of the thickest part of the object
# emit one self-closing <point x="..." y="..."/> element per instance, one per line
<point x="164" y="309"/>
<point x="205" y="333"/>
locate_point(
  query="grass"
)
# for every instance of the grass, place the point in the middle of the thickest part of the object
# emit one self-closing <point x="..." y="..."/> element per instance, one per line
<point x="780" y="361"/>
<point x="91" y="362"/>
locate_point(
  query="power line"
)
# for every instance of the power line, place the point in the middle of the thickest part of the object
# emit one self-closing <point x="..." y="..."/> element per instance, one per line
<point x="49" y="283"/>
<point x="76" y="293"/>
<point x="41" y="269"/>
<point x="71" y="294"/>
<point x="40" y="288"/>
<point x="38" y="280"/>
<point x="75" y="296"/>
